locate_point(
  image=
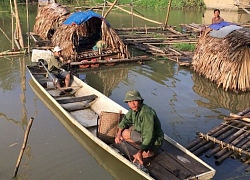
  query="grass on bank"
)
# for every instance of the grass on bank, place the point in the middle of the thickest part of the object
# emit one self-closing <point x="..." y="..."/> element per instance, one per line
<point x="184" y="46"/>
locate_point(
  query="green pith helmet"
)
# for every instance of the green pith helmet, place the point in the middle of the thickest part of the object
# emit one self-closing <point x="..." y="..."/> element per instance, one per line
<point x="133" y="95"/>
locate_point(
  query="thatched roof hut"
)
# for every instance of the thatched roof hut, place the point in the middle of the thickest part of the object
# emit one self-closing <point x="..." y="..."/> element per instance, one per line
<point x="48" y="19"/>
<point x="84" y="30"/>
<point x="77" y="32"/>
<point x="225" y="61"/>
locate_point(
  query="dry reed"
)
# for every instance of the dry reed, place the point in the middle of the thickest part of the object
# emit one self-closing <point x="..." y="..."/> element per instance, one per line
<point x="225" y="61"/>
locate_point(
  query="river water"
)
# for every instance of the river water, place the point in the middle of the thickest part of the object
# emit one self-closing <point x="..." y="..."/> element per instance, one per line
<point x="185" y="103"/>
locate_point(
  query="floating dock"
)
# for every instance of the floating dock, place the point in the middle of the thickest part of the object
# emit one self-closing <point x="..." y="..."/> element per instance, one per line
<point x="159" y="42"/>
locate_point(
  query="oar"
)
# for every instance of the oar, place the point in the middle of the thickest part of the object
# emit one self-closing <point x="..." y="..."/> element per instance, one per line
<point x="52" y="77"/>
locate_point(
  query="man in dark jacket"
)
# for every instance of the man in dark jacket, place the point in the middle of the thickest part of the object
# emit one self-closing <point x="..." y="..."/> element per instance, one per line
<point x="55" y="66"/>
<point x="141" y="127"/>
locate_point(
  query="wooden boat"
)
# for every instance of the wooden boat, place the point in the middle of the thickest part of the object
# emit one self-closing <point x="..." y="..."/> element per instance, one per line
<point x="79" y="111"/>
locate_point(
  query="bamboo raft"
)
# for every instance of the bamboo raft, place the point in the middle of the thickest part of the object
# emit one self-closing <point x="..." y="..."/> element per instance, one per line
<point x="229" y="139"/>
<point x="158" y="42"/>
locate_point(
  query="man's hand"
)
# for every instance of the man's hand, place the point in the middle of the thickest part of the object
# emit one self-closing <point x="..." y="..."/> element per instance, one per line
<point x="138" y="157"/>
<point x="118" y="137"/>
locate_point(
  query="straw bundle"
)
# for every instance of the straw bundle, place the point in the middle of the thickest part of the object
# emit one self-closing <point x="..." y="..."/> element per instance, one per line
<point x="48" y="19"/>
<point x="113" y="40"/>
<point x="225" y="61"/>
<point x="67" y="37"/>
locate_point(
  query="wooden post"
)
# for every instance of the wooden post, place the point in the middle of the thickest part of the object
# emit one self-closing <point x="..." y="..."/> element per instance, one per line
<point x="168" y="12"/>
<point x="12" y="25"/>
<point x="28" y="25"/>
<point x="132" y="15"/>
<point x="18" y="26"/>
<point x="23" y="146"/>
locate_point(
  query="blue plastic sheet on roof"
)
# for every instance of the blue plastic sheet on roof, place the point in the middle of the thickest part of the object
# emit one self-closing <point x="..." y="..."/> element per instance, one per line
<point x="81" y="17"/>
<point x="217" y="26"/>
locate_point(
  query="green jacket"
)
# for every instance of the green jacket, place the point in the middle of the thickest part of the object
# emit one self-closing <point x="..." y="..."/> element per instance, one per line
<point x="55" y="64"/>
<point x="146" y="122"/>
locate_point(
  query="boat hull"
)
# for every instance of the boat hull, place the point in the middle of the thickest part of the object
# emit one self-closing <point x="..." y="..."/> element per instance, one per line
<point x="113" y="162"/>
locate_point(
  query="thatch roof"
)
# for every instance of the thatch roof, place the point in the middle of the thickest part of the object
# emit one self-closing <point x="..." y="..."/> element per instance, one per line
<point x="77" y="32"/>
<point x="75" y="38"/>
<point x="48" y="19"/>
<point x="225" y="61"/>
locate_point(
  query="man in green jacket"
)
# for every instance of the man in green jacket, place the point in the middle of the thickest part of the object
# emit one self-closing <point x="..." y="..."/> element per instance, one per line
<point x="140" y="127"/>
<point x="55" y="66"/>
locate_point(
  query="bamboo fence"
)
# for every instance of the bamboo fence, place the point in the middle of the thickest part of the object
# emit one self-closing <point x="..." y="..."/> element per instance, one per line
<point x="225" y="61"/>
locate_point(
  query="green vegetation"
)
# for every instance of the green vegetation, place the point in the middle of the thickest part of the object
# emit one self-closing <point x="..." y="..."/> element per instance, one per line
<point x="184" y="46"/>
<point x="159" y="4"/>
<point x="162" y="3"/>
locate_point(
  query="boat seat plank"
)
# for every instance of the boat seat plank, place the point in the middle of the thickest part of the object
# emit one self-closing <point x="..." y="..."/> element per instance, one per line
<point x="55" y="93"/>
<point x="184" y="159"/>
<point x="77" y="99"/>
<point x="163" y="162"/>
<point x="77" y="105"/>
<point x="86" y="117"/>
<point x="173" y="166"/>
<point x="158" y="172"/>
<point x="155" y="170"/>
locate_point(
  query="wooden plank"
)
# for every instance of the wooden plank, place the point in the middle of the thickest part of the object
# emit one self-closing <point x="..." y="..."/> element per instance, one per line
<point x="172" y="165"/>
<point x="162" y="165"/>
<point x="86" y="117"/>
<point x="77" y="99"/>
<point x="160" y="173"/>
<point x="77" y="105"/>
<point x="184" y="159"/>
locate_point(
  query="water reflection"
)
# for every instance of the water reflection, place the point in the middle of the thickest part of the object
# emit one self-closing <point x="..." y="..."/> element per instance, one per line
<point x="13" y="74"/>
<point x="106" y="79"/>
<point x="9" y="74"/>
<point x="218" y="98"/>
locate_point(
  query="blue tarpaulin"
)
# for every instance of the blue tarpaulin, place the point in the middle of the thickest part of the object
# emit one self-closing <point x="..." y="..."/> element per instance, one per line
<point x="81" y="17"/>
<point x="217" y="26"/>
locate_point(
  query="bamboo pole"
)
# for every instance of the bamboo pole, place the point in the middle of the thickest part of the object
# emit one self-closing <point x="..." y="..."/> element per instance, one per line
<point x="168" y="12"/>
<point x="245" y="118"/>
<point x="28" y="24"/>
<point x="132" y="15"/>
<point x="5" y="34"/>
<point x="156" y="22"/>
<point x="110" y="8"/>
<point x="18" y="26"/>
<point x="211" y="132"/>
<point x="232" y="139"/>
<point x="229" y="153"/>
<point x="23" y="146"/>
<point x="223" y="144"/>
<point x="12" y="25"/>
<point x="210" y="144"/>
<point x="217" y="134"/>
<point x="140" y="58"/>
<point x="12" y="53"/>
